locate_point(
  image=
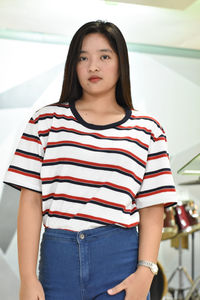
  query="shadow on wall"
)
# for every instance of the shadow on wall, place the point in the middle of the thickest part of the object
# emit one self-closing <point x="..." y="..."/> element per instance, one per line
<point x="9" y="281"/>
<point x="8" y="216"/>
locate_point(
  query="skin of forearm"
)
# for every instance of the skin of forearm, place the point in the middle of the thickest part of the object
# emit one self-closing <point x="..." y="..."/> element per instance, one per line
<point x="150" y="232"/>
<point x="29" y="222"/>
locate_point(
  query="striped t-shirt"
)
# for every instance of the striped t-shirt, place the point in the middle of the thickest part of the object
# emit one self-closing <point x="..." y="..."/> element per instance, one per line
<point x="92" y="175"/>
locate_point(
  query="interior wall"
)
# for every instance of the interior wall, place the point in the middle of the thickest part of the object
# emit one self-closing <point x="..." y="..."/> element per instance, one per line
<point x="166" y="87"/>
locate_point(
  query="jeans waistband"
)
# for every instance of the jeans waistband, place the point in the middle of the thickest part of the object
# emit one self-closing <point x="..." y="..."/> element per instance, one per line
<point x="88" y="232"/>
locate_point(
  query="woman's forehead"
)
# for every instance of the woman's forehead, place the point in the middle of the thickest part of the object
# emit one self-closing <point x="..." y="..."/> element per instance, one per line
<point x="95" y="39"/>
<point x="95" y="42"/>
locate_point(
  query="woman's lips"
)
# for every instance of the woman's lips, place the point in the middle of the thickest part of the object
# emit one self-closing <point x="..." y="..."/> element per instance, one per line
<point x="94" y="79"/>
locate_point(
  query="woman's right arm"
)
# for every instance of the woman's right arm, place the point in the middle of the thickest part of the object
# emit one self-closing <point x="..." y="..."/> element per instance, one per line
<point x="29" y="223"/>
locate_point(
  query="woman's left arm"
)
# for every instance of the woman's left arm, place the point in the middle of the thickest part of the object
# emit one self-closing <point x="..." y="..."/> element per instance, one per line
<point x="137" y="285"/>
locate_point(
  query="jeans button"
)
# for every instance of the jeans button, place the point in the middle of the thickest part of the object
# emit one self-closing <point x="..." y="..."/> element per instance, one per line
<point x="82" y="236"/>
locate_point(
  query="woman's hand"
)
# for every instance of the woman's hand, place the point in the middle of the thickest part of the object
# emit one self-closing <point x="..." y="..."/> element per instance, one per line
<point x="137" y="285"/>
<point x="31" y="289"/>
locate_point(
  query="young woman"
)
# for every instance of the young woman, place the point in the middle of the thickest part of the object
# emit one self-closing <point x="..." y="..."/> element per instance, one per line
<point x="91" y="168"/>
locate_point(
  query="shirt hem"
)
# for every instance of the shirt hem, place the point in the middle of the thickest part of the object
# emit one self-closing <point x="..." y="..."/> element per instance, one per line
<point x="19" y="187"/>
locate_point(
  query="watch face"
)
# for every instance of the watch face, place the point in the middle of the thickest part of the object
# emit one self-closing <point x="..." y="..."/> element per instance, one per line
<point x="155" y="269"/>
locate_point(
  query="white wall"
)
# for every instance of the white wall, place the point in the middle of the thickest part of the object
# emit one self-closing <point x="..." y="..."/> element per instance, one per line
<point x="165" y="86"/>
<point x="169" y="88"/>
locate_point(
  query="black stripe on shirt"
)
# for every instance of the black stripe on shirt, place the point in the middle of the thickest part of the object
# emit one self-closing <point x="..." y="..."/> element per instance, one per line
<point x="88" y="165"/>
<point x="24" y="171"/>
<point x="96" y="135"/>
<point x="29" y="154"/>
<point x="166" y="188"/>
<point x="31" y="136"/>
<point x="96" y="202"/>
<point x="87" y="147"/>
<point x="158" y="154"/>
<point x="89" y="184"/>
<point x="149" y="119"/>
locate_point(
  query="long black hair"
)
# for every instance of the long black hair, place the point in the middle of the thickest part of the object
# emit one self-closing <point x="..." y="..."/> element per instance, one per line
<point x="71" y="88"/>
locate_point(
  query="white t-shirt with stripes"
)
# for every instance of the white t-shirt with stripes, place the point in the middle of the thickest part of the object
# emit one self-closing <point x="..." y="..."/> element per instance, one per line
<point x="92" y="175"/>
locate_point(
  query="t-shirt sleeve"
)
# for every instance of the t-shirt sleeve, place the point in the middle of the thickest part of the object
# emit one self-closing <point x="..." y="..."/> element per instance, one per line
<point x="158" y="184"/>
<point x="25" y="166"/>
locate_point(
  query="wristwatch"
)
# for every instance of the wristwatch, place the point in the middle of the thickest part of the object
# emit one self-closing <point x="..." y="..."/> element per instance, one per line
<point x="153" y="267"/>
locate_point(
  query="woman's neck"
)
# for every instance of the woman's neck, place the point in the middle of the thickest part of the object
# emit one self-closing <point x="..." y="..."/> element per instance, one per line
<point x="100" y="105"/>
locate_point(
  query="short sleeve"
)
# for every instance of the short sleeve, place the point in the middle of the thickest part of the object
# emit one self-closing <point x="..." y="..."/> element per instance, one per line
<point x="25" y="166"/>
<point x="158" y="184"/>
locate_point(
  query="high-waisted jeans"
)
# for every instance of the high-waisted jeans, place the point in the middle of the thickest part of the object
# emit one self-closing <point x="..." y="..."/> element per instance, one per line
<point x="84" y="265"/>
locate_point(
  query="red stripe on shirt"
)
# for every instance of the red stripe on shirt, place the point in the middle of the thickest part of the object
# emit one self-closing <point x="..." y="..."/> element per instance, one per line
<point x="98" y="148"/>
<point x="155" y="192"/>
<point x="31" y="139"/>
<point x="157" y="174"/>
<point x="24" y="173"/>
<point x="28" y="156"/>
<point x="61" y="159"/>
<point x="100" y="183"/>
<point x="157" y="156"/>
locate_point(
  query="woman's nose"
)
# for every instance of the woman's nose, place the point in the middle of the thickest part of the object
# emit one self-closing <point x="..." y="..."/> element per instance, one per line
<point x="93" y="66"/>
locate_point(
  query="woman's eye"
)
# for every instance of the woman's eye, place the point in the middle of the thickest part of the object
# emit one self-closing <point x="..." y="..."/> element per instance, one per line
<point x="82" y="58"/>
<point x="105" y="57"/>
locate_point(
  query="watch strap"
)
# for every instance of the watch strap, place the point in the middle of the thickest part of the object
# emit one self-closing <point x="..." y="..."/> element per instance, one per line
<point x="152" y="266"/>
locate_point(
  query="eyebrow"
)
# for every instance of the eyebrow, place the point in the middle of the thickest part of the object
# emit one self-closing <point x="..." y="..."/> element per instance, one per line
<point x="101" y="50"/>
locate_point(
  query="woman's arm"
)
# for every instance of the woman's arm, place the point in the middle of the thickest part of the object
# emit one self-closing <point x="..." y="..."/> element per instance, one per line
<point x="28" y="237"/>
<point x="28" y="231"/>
<point x="150" y="232"/>
<point x="138" y="284"/>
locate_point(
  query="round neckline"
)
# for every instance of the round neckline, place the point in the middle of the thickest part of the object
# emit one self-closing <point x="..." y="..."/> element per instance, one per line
<point x="76" y="114"/>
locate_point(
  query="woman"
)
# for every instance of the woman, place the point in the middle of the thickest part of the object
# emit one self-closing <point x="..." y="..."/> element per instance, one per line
<point x="91" y="168"/>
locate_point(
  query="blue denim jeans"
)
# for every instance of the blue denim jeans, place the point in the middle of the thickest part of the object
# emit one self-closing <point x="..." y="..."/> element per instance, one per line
<point x="84" y="265"/>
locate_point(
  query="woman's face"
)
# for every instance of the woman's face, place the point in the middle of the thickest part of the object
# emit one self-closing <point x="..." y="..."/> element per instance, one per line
<point x="97" y="67"/>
